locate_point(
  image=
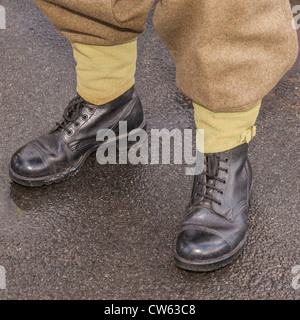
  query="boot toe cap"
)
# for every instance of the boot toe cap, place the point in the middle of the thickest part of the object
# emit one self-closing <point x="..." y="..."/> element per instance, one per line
<point x="200" y="246"/>
<point x="29" y="162"/>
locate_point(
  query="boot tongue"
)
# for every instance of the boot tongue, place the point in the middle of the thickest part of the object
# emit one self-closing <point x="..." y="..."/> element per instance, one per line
<point x="209" y="191"/>
<point x="211" y="170"/>
<point x="71" y="113"/>
<point x="204" y="184"/>
<point x="212" y="164"/>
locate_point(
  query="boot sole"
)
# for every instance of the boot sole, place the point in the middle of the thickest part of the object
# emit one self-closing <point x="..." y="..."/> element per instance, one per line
<point x="67" y="174"/>
<point x="209" y="265"/>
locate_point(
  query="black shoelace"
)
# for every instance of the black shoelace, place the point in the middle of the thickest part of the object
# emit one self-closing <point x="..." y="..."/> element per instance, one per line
<point x="72" y="112"/>
<point x="211" y="172"/>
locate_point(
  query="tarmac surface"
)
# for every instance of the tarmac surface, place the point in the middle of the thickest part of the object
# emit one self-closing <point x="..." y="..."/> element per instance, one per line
<point x="108" y="232"/>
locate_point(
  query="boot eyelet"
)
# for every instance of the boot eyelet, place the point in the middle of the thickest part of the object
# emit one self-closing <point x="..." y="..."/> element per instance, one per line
<point x="219" y="204"/>
<point x="226" y="160"/>
<point x="84" y="117"/>
<point x="77" y="124"/>
<point x="69" y="133"/>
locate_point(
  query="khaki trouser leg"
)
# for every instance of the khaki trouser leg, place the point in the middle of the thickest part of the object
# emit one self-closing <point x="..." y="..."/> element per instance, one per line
<point x="228" y="54"/>
<point x="103" y="34"/>
<point x="98" y="22"/>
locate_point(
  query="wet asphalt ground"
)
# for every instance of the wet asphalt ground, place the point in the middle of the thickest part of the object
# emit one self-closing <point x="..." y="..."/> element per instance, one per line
<point x="108" y="232"/>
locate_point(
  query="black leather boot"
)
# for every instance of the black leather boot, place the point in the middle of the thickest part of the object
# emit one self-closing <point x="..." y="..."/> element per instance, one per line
<point x="60" y="153"/>
<point x="214" y="231"/>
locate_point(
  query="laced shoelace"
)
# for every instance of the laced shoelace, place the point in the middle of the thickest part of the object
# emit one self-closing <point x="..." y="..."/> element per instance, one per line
<point x="212" y="162"/>
<point x="72" y="112"/>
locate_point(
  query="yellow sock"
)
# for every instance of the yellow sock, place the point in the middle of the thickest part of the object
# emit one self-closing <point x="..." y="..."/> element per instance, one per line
<point x="224" y="131"/>
<point x="104" y="72"/>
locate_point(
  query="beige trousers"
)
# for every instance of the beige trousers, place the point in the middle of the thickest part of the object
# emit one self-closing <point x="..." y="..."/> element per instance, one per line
<point x="229" y="54"/>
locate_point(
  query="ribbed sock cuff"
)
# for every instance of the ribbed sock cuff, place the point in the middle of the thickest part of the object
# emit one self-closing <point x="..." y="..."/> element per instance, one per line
<point x="224" y="131"/>
<point x="104" y="72"/>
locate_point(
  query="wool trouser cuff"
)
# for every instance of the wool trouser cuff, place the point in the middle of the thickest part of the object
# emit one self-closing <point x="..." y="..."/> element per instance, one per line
<point x="104" y="72"/>
<point x="224" y="131"/>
